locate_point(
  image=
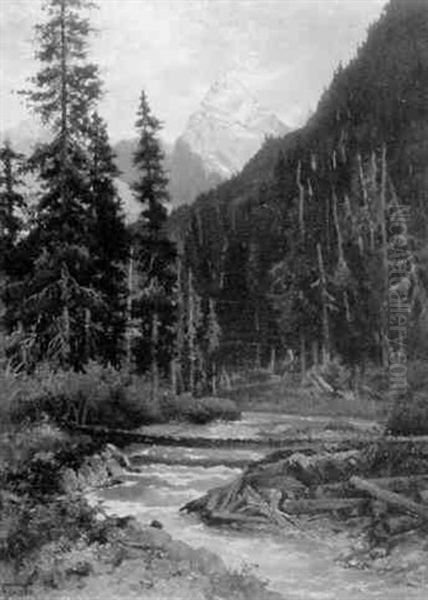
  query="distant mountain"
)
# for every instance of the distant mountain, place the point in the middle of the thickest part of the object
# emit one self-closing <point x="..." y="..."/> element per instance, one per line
<point x="318" y="198"/>
<point x="226" y="130"/>
<point x="222" y="135"/>
<point x="25" y="135"/>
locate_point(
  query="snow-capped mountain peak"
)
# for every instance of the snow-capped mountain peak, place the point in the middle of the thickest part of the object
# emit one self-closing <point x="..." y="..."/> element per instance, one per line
<point x="229" y="127"/>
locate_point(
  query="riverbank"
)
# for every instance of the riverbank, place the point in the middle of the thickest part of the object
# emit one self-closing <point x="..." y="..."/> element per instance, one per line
<point x="55" y="545"/>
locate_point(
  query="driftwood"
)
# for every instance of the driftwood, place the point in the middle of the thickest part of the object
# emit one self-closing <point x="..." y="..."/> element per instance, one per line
<point x="401" y="482"/>
<point x="396" y="484"/>
<point x="300" y="507"/>
<point x="229" y="517"/>
<point x="396" y="500"/>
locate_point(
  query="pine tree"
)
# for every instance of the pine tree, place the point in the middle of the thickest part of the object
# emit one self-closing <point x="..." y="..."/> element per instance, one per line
<point x="56" y="287"/>
<point x="155" y="253"/>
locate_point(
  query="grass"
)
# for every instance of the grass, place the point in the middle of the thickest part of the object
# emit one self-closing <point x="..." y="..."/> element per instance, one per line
<point x="100" y="396"/>
<point x="289" y="396"/>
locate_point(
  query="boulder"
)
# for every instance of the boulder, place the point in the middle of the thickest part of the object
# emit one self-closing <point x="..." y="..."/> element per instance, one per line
<point x="208" y="563"/>
<point x="69" y="481"/>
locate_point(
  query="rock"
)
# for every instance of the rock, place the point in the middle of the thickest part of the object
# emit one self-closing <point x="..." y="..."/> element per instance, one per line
<point x="114" y="469"/>
<point x="98" y="465"/>
<point x="424" y="495"/>
<point x="181" y="552"/>
<point x="209" y="563"/>
<point x="157" y="524"/>
<point x="112" y="451"/>
<point x="148" y="537"/>
<point x="69" y="481"/>
<point x="82" y="568"/>
<point x="85" y="476"/>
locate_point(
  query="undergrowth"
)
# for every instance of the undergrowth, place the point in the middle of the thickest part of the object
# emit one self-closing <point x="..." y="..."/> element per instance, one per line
<point x="100" y="396"/>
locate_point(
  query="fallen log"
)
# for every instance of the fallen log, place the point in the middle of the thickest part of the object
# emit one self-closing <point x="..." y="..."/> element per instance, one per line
<point x="401" y="483"/>
<point x="396" y="500"/>
<point x="228" y="517"/>
<point x="300" y="507"/>
<point x="395" y="484"/>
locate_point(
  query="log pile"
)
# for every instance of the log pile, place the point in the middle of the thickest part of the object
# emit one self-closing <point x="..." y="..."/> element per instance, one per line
<point x="278" y="491"/>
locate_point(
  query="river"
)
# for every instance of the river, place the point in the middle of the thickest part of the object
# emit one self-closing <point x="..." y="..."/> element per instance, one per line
<point x="299" y="566"/>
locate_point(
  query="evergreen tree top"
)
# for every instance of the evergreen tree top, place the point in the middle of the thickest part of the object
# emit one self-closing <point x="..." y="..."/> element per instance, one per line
<point x="67" y="86"/>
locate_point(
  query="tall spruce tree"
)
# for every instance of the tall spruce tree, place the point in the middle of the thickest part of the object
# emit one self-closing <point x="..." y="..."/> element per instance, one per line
<point x="60" y="293"/>
<point x="154" y="252"/>
<point x="108" y="242"/>
<point x="11" y="202"/>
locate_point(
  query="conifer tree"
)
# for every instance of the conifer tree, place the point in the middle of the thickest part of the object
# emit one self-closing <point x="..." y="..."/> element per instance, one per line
<point x="11" y="201"/>
<point x="108" y="242"/>
<point x="57" y="288"/>
<point x="11" y="165"/>
<point x="155" y="253"/>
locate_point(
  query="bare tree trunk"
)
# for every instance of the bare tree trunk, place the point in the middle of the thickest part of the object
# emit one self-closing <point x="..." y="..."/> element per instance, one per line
<point x="325" y="325"/>
<point x="214" y="380"/>
<point x="66" y="324"/>
<point x="302" y="357"/>
<point x="64" y="102"/>
<point x="128" y="351"/>
<point x="272" y="364"/>
<point x="315" y="357"/>
<point x="257" y="327"/>
<point x="191" y="336"/>
<point x="384" y="309"/>
<point x="301" y="200"/>
<point x="87" y="333"/>
<point x="154" y="365"/>
<point x="173" y="372"/>
<point x="338" y="232"/>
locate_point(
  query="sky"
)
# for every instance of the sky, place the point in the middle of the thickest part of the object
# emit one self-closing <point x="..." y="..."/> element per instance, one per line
<point x="283" y="51"/>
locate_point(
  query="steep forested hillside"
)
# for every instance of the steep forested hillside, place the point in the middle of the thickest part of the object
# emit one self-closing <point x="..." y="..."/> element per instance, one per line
<point x="300" y="250"/>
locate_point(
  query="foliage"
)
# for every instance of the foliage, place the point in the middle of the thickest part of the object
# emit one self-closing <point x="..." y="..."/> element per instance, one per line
<point x="36" y="524"/>
<point x="11" y="200"/>
<point x="154" y="303"/>
<point x="409" y="415"/>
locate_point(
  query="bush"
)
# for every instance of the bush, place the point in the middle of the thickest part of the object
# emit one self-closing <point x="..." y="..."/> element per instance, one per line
<point x="35" y="524"/>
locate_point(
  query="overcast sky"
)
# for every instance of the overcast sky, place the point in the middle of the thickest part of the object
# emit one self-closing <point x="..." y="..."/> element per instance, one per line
<point x="284" y="51"/>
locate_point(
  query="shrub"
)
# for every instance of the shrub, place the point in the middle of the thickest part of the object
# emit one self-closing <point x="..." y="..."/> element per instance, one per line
<point x="36" y="523"/>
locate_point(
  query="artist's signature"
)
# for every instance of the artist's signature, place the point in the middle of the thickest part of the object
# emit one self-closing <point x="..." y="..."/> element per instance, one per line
<point x="13" y="590"/>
